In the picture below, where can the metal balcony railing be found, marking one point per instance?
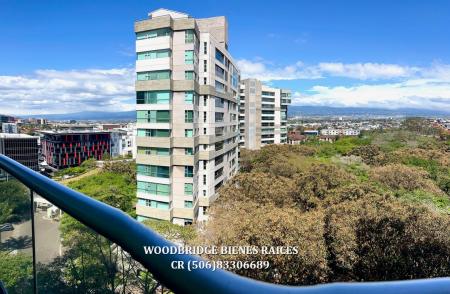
(132, 236)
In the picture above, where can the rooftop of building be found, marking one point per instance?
(72, 132)
(15, 136)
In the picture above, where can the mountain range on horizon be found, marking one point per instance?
(294, 110)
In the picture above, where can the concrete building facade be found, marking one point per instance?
(262, 114)
(10, 128)
(187, 130)
(22, 148)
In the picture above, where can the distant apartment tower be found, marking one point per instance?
(262, 114)
(10, 128)
(22, 148)
(187, 130)
(65, 149)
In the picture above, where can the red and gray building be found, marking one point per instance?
(71, 148)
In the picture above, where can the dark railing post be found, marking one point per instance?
(33, 241)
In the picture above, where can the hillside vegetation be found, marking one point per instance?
(368, 208)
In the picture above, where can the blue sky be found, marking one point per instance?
(334, 53)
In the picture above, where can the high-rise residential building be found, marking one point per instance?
(63, 149)
(187, 130)
(20, 147)
(262, 114)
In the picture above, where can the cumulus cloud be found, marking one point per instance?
(419, 93)
(60, 91)
(377, 84)
(361, 71)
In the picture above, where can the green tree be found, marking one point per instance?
(16, 272)
(14, 201)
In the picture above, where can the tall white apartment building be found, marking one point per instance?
(187, 90)
(262, 114)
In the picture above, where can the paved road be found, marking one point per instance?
(48, 239)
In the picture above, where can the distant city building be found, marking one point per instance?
(107, 127)
(295, 137)
(340, 132)
(187, 135)
(42, 121)
(10, 128)
(262, 114)
(311, 132)
(7, 118)
(22, 148)
(123, 142)
(70, 148)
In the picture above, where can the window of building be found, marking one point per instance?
(153, 75)
(189, 57)
(204, 179)
(220, 72)
(153, 133)
(188, 116)
(205, 47)
(205, 66)
(220, 102)
(153, 116)
(220, 87)
(204, 164)
(154, 54)
(189, 75)
(188, 171)
(205, 81)
(189, 36)
(154, 203)
(204, 116)
(153, 33)
(204, 131)
(188, 133)
(153, 97)
(220, 56)
(153, 170)
(204, 193)
(153, 151)
(189, 97)
(218, 146)
(219, 116)
(205, 100)
(153, 188)
(187, 204)
(188, 189)
(188, 151)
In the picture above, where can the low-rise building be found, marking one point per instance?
(70, 148)
(22, 148)
(340, 132)
(10, 128)
(295, 137)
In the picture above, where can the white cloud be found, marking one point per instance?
(362, 71)
(365, 71)
(264, 71)
(56, 91)
(391, 86)
(425, 94)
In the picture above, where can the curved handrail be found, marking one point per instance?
(131, 235)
